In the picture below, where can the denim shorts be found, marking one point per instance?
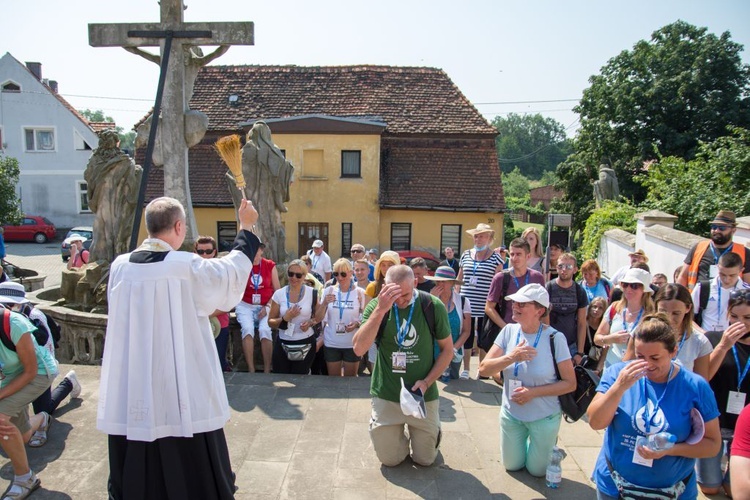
(708, 470)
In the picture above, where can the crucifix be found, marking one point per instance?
(180, 61)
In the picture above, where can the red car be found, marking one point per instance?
(431, 261)
(32, 228)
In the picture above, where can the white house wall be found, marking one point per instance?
(48, 180)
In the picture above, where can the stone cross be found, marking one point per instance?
(182, 70)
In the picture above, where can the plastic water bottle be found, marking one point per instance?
(657, 442)
(554, 470)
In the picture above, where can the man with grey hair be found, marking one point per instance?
(405, 324)
(162, 397)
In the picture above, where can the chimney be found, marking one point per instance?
(53, 86)
(36, 69)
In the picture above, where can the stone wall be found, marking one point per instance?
(665, 246)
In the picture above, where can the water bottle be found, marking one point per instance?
(554, 470)
(657, 442)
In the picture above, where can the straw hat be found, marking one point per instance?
(640, 253)
(481, 228)
(387, 256)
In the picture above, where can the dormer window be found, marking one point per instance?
(11, 87)
(234, 100)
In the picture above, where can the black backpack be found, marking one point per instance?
(39, 332)
(428, 309)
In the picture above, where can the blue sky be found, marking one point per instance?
(495, 51)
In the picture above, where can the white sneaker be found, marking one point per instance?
(76, 392)
(464, 375)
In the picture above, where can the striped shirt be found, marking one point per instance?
(477, 278)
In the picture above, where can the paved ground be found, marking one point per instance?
(306, 437)
(44, 259)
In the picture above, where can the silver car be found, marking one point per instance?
(85, 231)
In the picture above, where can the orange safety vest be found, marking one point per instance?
(700, 250)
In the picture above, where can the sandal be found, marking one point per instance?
(26, 488)
(39, 438)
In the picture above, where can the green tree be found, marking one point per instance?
(10, 207)
(695, 190)
(127, 139)
(532, 143)
(661, 98)
(611, 214)
(515, 185)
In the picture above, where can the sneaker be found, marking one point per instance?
(19, 490)
(76, 392)
(464, 375)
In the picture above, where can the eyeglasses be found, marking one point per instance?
(565, 267)
(716, 227)
(299, 276)
(357, 251)
(342, 274)
(742, 294)
(200, 251)
(634, 286)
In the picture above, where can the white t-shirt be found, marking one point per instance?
(695, 346)
(715, 314)
(294, 332)
(617, 351)
(321, 264)
(338, 314)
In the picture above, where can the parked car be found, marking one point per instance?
(32, 228)
(431, 261)
(85, 231)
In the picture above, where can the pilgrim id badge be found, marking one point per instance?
(398, 360)
(256, 299)
(473, 281)
(340, 328)
(639, 460)
(736, 402)
(513, 384)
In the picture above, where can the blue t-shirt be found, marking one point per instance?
(9, 360)
(683, 393)
(598, 290)
(533, 373)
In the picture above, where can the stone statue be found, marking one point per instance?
(268, 175)
(607, 187)
(112, 179)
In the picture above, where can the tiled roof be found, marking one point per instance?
(99, 126)
(440, 174)
(410, 100)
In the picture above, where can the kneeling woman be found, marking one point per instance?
(530, 414)
(28, 371)
(649, 395)
(293, 310)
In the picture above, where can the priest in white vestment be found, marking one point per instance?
(162, 398)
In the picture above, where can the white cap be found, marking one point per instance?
(74, 237)
(533, 292)
(636, 275)
(317, 244)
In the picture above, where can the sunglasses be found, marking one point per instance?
(565, 267)
(205, 252)
(634, 286)
(299, 276)
(357, 251)
(743, 294)
(716, 227)
(342, 274)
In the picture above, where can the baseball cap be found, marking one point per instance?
(317, 244)
(533, 292)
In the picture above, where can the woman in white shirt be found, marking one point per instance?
(292, 312)
(341, 312)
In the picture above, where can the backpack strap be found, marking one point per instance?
(428, 309)
(607, 288)
(504, 303)
(5, 334)
(612, 314)
(705, 294)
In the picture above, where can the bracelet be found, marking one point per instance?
(283, 325)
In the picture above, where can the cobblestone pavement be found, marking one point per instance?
(44, 259)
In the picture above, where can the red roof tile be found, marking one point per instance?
(409, 100)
